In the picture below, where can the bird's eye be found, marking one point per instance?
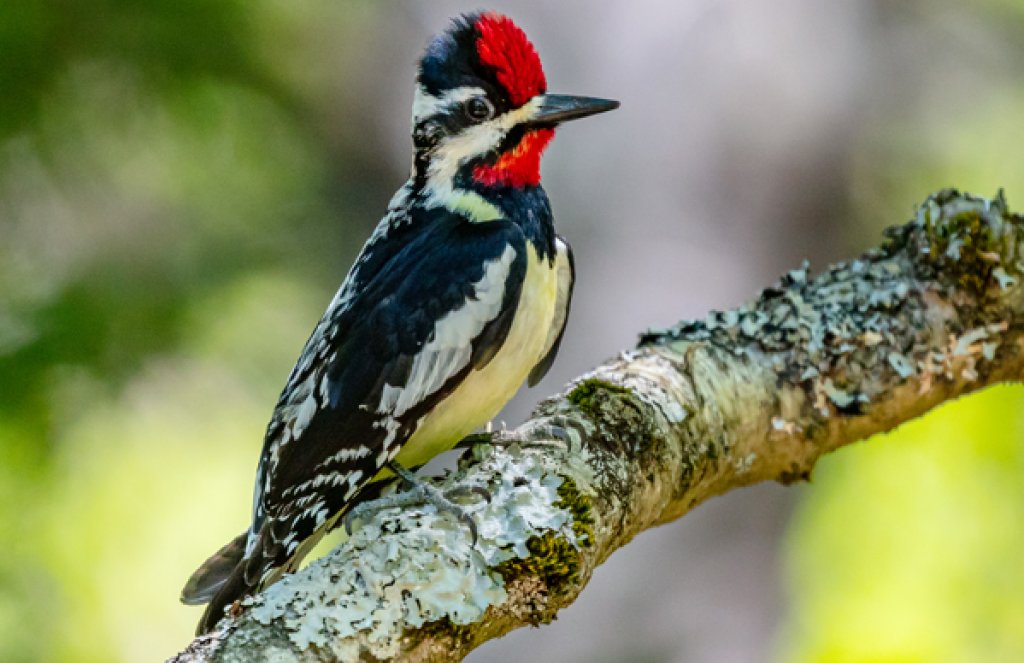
(479, 109)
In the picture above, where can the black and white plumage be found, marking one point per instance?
(459, 296)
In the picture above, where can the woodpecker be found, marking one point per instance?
(460, 295)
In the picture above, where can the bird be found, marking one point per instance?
(460, 295)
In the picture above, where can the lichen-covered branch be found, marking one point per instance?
(755, 393)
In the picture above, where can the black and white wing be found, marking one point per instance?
(437, 310)
(437, 306)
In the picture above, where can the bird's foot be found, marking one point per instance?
(418, 492)
(544, 434)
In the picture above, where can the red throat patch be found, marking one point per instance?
(520, 166)
(504, 46)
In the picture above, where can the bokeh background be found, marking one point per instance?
(183, 184)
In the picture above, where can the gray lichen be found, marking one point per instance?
(401, 571)
(836, 335)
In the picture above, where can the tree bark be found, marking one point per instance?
(752, 394)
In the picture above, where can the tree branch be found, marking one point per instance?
(756, 393)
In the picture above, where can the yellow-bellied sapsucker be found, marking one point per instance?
(460, 295)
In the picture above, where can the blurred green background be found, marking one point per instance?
(183, 185)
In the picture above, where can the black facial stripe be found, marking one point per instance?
(426, 134)
(430, 131)
(512, 138)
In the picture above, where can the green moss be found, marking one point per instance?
(589, 395)
(972, 238)
(577, 504)
(445, 628)
(554, 559)
(624, 422)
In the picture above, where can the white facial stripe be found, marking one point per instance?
(475, 140)
(425, 105)
(455, 151)
(451, 348)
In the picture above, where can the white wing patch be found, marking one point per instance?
(451, 345)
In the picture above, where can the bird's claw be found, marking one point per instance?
(542, 436)
(440, 499)
(476, 439)
(417, 493)
(471, 490)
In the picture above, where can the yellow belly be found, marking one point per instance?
(484, 392)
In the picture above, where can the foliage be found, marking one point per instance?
(908, 548)
(159, 183)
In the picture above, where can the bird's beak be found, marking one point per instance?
(554, 109)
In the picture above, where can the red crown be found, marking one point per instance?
(504, 46)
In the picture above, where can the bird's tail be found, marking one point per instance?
(234, 587)
(230, 575)
(218, 581)
(214, 572)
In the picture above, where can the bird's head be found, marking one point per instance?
(482, 116)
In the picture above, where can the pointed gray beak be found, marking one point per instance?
(557, 108)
